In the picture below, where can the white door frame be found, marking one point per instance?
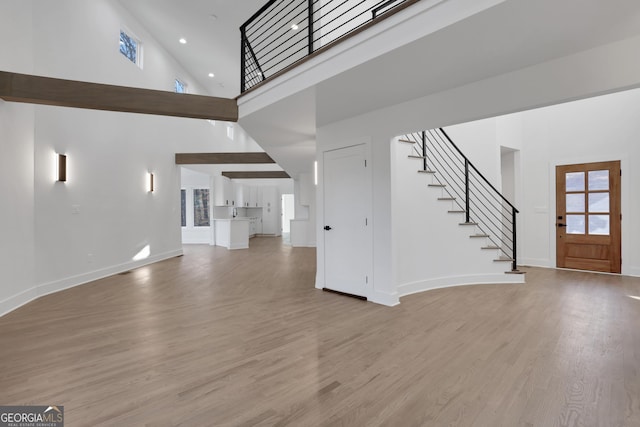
(321, 197)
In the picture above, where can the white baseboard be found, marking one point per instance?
(447, 282)
(238, 246)
(633, 271)
(9, 304)
(16, 301)
(384, 298)
(378, 297)
(536, 262)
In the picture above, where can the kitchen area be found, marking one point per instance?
(223, 212)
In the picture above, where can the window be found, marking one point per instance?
(201, 208)
(180, 86)
(587, 202)
(183, 207)
(131, 48)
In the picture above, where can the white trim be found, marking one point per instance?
(633, 272)
(384, 298)
(535, 262)
(237, 246)
(16, 301)
(451, 281)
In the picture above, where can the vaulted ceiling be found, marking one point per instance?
(505, 38)
(211, 29)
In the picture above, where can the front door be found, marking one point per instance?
(347, 236)
(588, 216)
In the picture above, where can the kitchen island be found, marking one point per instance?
(232, 233)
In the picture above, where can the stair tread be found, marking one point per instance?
(515, 272)
(479, 235)
(424, 171)
(490, 247)
(407, 141)
(503, 260)
(468, 223)
(446, 198)
(436, 185)
(456, 212)
(417, 157)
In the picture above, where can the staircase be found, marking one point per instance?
(486, 215)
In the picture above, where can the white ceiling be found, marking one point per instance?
(213, 44)
(510, 36)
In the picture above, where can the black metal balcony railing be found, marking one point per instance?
(480, 201)
(283, 32)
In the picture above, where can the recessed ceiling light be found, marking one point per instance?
(183, 41)
(211, 75)
(294, 27)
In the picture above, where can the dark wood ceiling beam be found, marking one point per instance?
(222, 158)
(26, 88)
(256, 175)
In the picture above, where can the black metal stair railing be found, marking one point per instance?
(480, 201)
(284, 32)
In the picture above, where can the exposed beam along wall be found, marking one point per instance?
(222, 158)
(256, 175)
(15, 87)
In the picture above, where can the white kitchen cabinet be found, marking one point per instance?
(259, 225)
(232, 233)
(259, 196)
(224, 192)
(252, 201)
(239, 195)
(253, 229)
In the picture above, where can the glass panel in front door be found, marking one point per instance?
(575, 203)
(575, 224)
(599, 225)
(574, 181)
(598, 180)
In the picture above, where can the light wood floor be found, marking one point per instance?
(241, 338)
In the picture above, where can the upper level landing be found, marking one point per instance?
(440, 62)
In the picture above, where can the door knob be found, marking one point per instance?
(326, 227)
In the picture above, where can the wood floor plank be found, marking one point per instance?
(242, 338)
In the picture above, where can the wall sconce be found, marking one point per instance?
(150, 184)
(61, 168)
(315, 173)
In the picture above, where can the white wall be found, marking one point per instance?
(593, 129)
(596, 129)
(17, 225)
(303, 231)
(79, 40)
(431, 249)
(57, 235)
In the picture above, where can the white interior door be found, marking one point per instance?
(347, 236)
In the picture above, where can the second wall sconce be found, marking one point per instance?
(150, 183)
(61, 174)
